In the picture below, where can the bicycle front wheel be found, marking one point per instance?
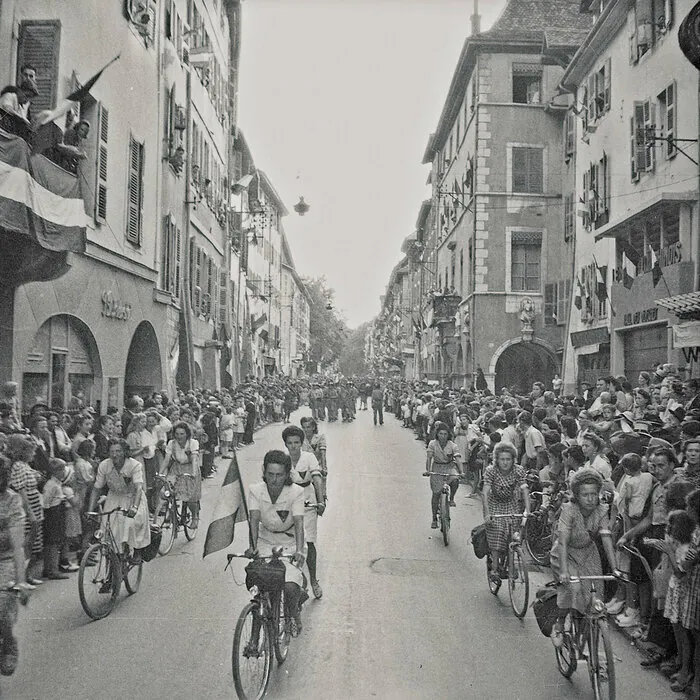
(281, 626)
(538, 538)
(445, 518)
(98, 580)
(494, 583)
(165, 520)
(566, 656)
(251, 658)
(601, 663)
(132, 575)
(518, 584)
(190, 523)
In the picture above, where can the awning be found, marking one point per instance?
(683, 305)
(686, 335)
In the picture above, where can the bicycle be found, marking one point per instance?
(539, 531)
(103, 568)
(444, 505)
(516, 573)
(171, 516)
(589, 632)
(264, 626)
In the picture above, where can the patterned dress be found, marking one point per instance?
(689, 605)
(583, 558)
(505, 498)
(24, 478)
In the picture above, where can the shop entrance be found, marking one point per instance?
(521, 364)
(143, 373)
(644, 349)
(62, 368)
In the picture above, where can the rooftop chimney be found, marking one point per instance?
(476, 19)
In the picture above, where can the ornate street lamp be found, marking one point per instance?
(301, 207)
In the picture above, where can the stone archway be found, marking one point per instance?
(144, 373)
(518, 364)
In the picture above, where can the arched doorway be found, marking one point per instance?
(62, 368)
(520, 364)
(143, 373)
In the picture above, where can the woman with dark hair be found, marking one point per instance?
(505, 493)
(182, 459)
(39, 430)
(442, 458)
(276, 512)
(574, 550)
(306, 472)
(644, 380)
(315, 442)
(593, 446)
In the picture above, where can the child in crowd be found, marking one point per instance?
(54, 518)
(74, 528)
(226, 431)
(84, 480)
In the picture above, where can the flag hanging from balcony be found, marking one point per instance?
(580, 293)
(39, 199)
(630, 259)
(656, 272)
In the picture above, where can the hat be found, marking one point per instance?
(690, 428)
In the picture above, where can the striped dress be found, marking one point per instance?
(24, 479)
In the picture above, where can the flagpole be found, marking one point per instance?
(245, 505)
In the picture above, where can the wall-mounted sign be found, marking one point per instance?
(646, 316)
(113, 308)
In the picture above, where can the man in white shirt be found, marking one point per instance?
(534, 440)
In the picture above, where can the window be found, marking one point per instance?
(170, 257)
(556, 302)
(134, 218)
(527, 83)
(647, 22)
(596, 193)
(667, 119)
(602, 90)
(570, 135)
(526, 251)
(528, 165)
(38, 44)
(569, 216)
(642, 131)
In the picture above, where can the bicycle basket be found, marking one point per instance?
(546, 609)
(480, 542)
(151, 551)
(266, 575)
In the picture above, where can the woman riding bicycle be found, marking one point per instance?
(505, 493)
(276, 511)
(574, 550)
(442, 458)
(182, 457)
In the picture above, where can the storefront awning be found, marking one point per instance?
(682, 305)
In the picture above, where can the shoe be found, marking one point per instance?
(57, 576)
(68, 567)
(615, 606)
(453, 504)
(295, 626)
(9, 656)
(557, 635)
(669, 667)
(31, 586)
(630, 618)
(34, 582)
(681, 684)
(434, 524)
(652, 660)
(316, 588)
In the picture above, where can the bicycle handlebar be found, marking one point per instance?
(602, 577)
(107, 512)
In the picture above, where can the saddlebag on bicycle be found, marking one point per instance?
(186, 488)
(151, 551)
(546, 609)
(480, 542)
(266, 575)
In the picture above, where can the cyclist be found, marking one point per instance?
(442, 458)
(307, 473)
(276, 512)
(574, 550)
(11, 564)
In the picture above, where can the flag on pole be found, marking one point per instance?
(601, 286)
(656, 272)
(231, 508)
(578, 299)
(76, 96)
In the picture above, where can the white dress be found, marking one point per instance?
(306, 468)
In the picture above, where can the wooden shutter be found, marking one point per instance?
(570, 145)
(223, 287)
(100, 212)
(550, 304)
(563, 292)
(634, 170)
(165, 254)
(669, 127)
(607, 79)
(591, 92)
(584, 198)
(632, 34)
(39, 43)
(649, 126)
(639, 137)
(178, 262)
(135, 193)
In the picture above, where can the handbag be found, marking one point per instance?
(266, 575)
(150, 551)
(546, 609)
(480, 542)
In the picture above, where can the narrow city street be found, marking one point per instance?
(402, 615)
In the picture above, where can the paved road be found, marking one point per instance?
(402, 616)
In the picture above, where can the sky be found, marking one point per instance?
(337, 99)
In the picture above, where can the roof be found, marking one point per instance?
(288, 263)
(682, 304)
(537, 15)
(271, 192)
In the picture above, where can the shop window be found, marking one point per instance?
(38, 44)
(527, 83)
(527, 170)
(525, 255)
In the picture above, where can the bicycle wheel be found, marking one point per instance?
(251, 658)
(518, 584)
(98, 581)
(189, 523)
(165, 519)
(132, 575)
(538, 538)
(601, 663)
(445, 518)
(494, 583)
(566, 656)
(281, 626)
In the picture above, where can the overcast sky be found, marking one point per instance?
(337, 100)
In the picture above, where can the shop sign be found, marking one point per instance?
(668, 255)
(114, 308)
(646, 316)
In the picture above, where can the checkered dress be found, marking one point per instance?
(689, 604)
(23, 478)
(505, 498)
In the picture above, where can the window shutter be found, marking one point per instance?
(634, 170)
(165, 255)
(584, 112)
(135, 193)
(670, 125)
(178, 262)
(593, 192)
(586, 177)
(39, 43)
(591, 92)
(640, 139)
(570, 133)
(223, 286)
(668, 5)
(607, 79)
(632, 34)
(650, 126)
(563, 289)
(550, 304)
(101, 166)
